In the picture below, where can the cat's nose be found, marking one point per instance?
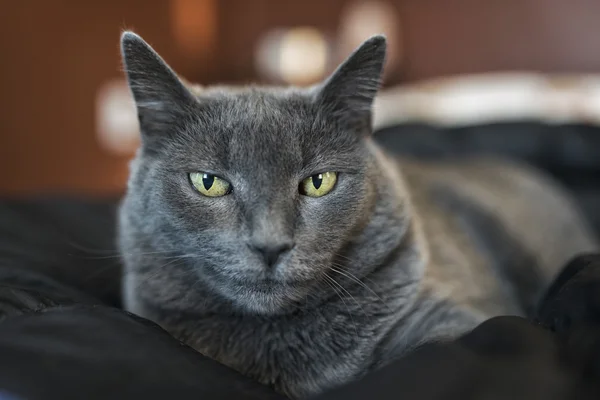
(272, 252)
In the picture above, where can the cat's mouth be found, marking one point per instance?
(268, 285)
(268, 295)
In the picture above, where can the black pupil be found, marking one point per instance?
(317, 180)
(208, 180)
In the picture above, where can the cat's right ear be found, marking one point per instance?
(349, 92)
(161, 98)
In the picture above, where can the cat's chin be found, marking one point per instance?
(268, 298)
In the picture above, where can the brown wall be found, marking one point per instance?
(467, 36)
(55, 55)
(440, 37)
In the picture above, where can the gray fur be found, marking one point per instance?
(397, 254)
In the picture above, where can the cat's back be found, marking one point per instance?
(497, 231)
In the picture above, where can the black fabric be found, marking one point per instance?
(71, 240)
(95, 352)
(23, 291)
(571, 309)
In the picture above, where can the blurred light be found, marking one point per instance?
(116, 118)
(303, 55)
(194, 24)
(298, 56)
(589, 99)
(363, 19)
(492, 97)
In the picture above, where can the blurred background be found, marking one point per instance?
(66, 120)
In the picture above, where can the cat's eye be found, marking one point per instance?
(318, 185)
(210, 185)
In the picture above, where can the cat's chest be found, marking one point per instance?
(298, 357)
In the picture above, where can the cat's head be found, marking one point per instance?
(253, 192)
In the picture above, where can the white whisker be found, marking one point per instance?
(329, 280)
(350, 295)
(349, 275)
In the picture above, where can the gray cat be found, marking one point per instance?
(266, 229)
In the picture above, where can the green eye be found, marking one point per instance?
(210, 185)
(318, 185)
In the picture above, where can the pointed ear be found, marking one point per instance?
(161, 99)
(349, 92)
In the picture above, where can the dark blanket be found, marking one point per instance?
(70, 240)
(59, 277)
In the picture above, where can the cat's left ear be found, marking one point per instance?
(161, 98)
(349, 92)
